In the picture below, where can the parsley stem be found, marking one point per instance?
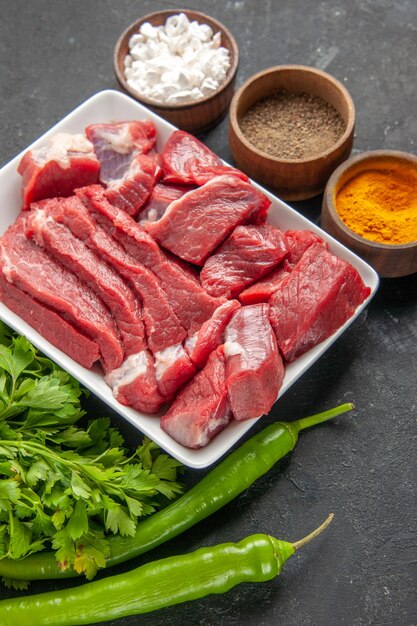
(11, 527)
(47, 454)
(108, 486)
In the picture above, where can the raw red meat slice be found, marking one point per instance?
(65, 163)
(254, 368)
(155, 156)
(298, 242)
(197, 223)
(200, 410)
(50, 325)
(161, 197)
(173, 369)
(134, 383)
(191, 303)
(116, 144)
(130, 192)
(71, 252)
(185, 160)
(314, 300)
(248, 254)
(210, 335)
(32, 270)
(263, 289)
(162, 326)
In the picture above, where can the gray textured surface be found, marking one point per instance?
(53, 55)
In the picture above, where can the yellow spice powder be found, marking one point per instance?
(381, 205)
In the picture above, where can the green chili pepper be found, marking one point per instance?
(157, 584)
(221, 485)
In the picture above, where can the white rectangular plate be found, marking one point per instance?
(110, 106)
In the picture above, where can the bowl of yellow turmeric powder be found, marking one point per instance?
(370, 205)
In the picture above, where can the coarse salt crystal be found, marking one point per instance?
(205, 32)
(179, 61)
(208, 86)
(148, 31)
(216, 41)
(178, 96)
(177, 24)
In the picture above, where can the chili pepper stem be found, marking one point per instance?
(318, 418)
(302, 542)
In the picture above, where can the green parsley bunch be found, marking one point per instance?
(62, 485)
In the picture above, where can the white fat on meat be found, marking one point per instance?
(164, 359)
(221, 417)
(7, 266)
(135, 365)
(233, 347)
(38, 222)
(190, 343)
(120, 141)
(152, 216)
(61, 147)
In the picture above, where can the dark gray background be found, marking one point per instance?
(53, 55)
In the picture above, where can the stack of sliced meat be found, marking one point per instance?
(162, 267)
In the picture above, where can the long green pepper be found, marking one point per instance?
(221, 485)
(157, 584)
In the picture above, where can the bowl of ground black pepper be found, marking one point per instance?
(290, 127)
(370, 205)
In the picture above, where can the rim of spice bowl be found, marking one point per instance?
(292, 179)
(389, 260)
(194, 116)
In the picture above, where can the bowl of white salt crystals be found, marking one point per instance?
(181, 64)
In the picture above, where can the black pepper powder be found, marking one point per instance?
(292, 126)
